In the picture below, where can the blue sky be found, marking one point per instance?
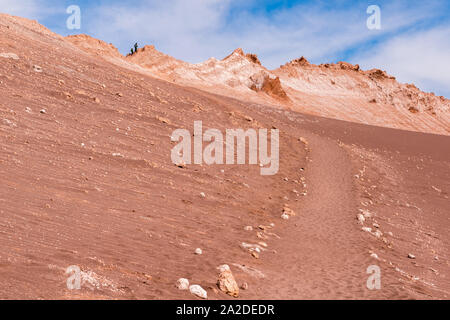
(413, 42)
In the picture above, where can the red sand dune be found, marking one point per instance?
(87, 178)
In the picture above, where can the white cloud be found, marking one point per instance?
(181, 28)
(421, 58)
(194, 30)
(198, 29)
(25, 8)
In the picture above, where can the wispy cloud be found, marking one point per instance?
(194, 30)
(421, 57)
(278, 31)
(189, 30)
(31, 9)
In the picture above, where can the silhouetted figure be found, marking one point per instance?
(135, 47)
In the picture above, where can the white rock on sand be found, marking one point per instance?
(223, 268)
(9, 55)
(182, 284)
(37, 68)
(198, 251)
(198, 291)
(361, 218)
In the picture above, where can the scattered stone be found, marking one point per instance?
(37, 68)
(9, 123)
(378, 233)
(248, 228)
(367, 229)
(202, 194)
(198, 251)
(198, 291)
(374, 255)
(360, 218)
(255, 255)
(413, 109)
(96, 100)
(284, 216)
(376, 225)
(119, 94)
(261, 235)
(436, 189)
(262, 244)
(227, 283)
(303, 140)
(68, 95)
(244, 286)
(163, 120)
(223, 268)
(43, 111)
(366, 213)
(181, 165)
(288, 211)
(9, 55)
(117, 154)
(411, 256)
(182, 284)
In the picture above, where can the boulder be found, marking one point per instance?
(198, 291)
(227, 283)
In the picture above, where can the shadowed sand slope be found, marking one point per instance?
(87, 180)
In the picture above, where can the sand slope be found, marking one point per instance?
(87, 180)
